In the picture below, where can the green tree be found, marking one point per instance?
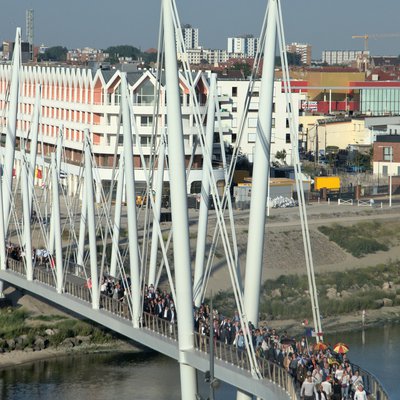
(122, 51)
(244, 67)
(56, 53)
(281, 155)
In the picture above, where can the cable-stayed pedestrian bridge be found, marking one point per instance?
(231, 366)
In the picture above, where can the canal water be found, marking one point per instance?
(155, 377)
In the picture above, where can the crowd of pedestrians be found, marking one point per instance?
(320, 374)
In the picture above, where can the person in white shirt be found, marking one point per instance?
(308, 391)
(360, 393)
(327, 387)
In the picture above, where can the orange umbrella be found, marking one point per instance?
(320, 346)
(341, 348)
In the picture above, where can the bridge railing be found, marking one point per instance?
(233, 355)
(372, 384)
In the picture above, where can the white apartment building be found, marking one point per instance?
(78, 99)
(338, 57)
(302, 49)
(199, 55)
(232, 95)
(246, 45)
(190, 37)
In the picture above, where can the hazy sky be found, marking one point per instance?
(325, 24)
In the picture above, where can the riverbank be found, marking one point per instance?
(343, 323)
(20, 357)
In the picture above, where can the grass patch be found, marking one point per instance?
(359, 240)
(47, 318)
(288, 297)
(12, 322)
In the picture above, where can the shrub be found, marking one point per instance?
(356, 239)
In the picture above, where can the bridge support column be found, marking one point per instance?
(11, 131)
(94, 276)
(57, 224)
(134, 260)
(82, 229)
(204, 197)
(180, 220)
(261, 172)
(33, 146)
(156, 214)
(117, 218)
(25, 176)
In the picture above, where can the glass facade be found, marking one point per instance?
(382, 101)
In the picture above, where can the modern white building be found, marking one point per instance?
(199, 55)
(232, 95)
(190, 37)
(246, 45)
(302, 49)
(77, 99)
(338, 57)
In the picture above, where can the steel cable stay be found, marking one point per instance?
(298, 176)
(220, 219)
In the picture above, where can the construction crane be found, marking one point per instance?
(374, 36)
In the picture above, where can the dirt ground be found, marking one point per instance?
(283, 247)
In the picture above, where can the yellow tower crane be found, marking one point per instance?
(374, 36)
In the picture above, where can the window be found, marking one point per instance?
(273, 107)
(273, 122)
(398, 171)
(251, 137)
(145, 93)
(288, 138)
(287, 122)
(252, 122)
(253, 106)
(234, 91)
(146, 120)
(234, 107)
(385, 170)
(387, 154)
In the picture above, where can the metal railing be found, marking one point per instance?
(224, 352)
(371, 384)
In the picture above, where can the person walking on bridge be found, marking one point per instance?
(308, 391)
(360, 393)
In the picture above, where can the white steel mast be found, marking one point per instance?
(91, 218)
(205, 196)
(11, 132)
(261, 170)
(134, 259)
(180, 219)
(117, 217)
(157, 213)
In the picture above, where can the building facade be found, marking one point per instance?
(246, 45)
(74, 99)
(233, 93)
(339, 57)
(386, 159)
(302, 49)
(190, 37)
